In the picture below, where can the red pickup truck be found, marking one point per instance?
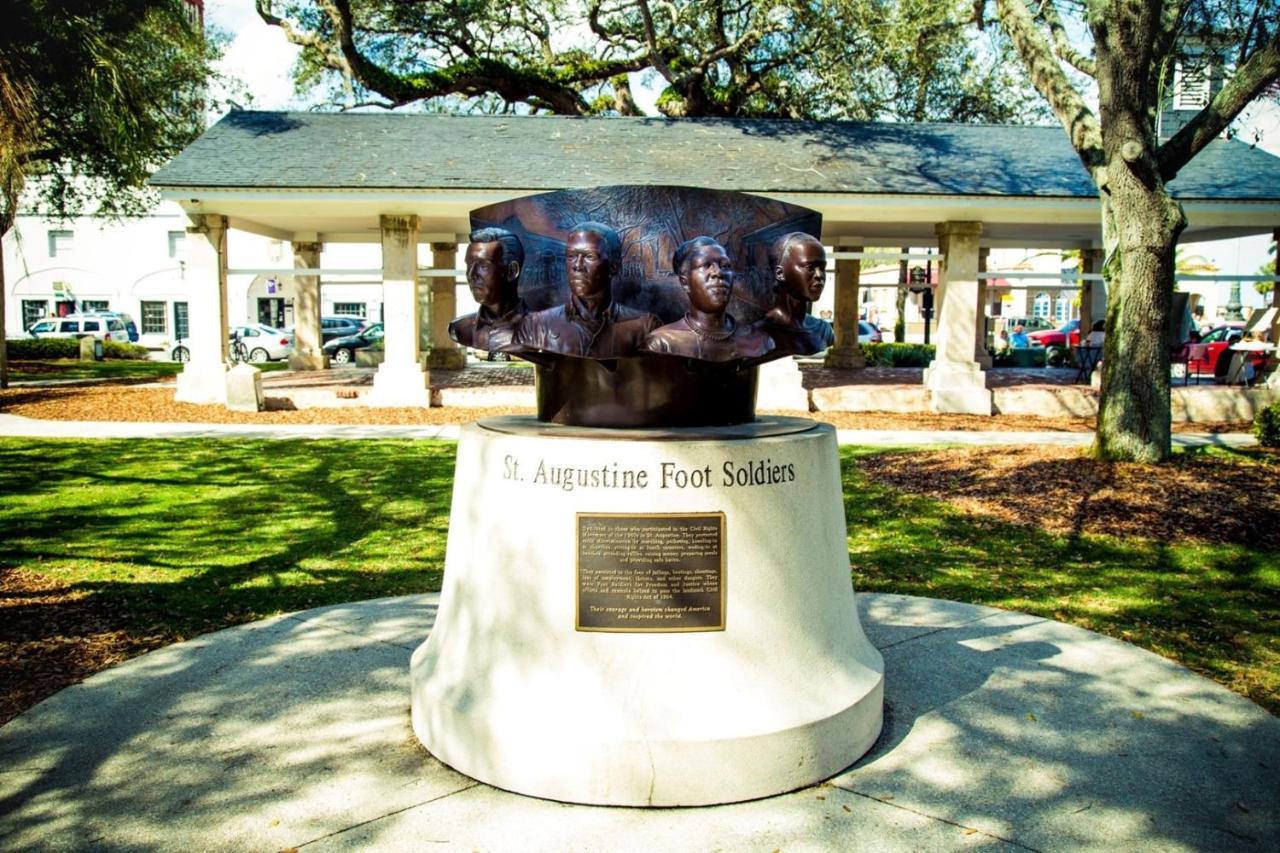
(1068, 334)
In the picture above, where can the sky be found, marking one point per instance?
(261, 58)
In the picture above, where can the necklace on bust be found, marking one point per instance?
(706, 334)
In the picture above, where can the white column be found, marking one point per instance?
(442, 351)
(980, 354)
(956, 381)
(1093, 294)
(204, 379)
(401, 379)
(307, 340)
(846, 352)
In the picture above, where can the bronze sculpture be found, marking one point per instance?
(589, 323)
(799, 265)
(494, 262)
(707, 331)
(594, 301)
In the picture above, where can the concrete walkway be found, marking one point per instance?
(1003, 731)
(17, 426)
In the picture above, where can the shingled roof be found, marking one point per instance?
(327, 151)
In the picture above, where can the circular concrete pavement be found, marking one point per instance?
(1001, 730)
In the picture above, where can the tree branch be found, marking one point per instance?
(1051, 81)
(651, 39)
(1062, 46)
(1256, 74)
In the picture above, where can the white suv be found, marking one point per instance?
(107, 327)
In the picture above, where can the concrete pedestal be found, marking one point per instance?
(202, 383)
(957, 388)
(781, 386)
(244, 389)
(778, 690)
(400, 384)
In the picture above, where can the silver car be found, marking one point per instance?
(263, 343)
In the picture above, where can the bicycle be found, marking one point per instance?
(237, 352)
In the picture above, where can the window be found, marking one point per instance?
(355, 309)
(1042, 305)
(176, 241)
(89, 305)
(1061, 308)
(153, 318)
(33, 310)
(91, 326)
(69, 326)
(181, 329)
(60, 243)
(1191, 85)
(44, 328)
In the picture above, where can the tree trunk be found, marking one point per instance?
(1134, 411)
(900, 324)
(4, 337)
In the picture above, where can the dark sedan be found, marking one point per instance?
(343, 350)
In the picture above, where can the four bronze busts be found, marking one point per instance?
(707, 331)
(494, 260)
(799, 265)
(603, 363)
(590, 323)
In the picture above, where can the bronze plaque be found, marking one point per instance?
(650, 573)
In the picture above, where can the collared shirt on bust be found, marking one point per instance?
(485, 330)
(682, 339)
(619, 331)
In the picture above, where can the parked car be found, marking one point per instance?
(129, 326)
(336, 326)
(868, 334)
(1068, 334)
(107, 327)
(263, 343)
(1218, 341)
(343, 350)
(1028, 324)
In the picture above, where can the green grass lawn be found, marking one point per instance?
(70, 368)
(180, 537)
(1211, 607)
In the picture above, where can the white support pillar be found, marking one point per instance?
(401, 379)
(204, 379)
(980, 353)
(847, 353)
(307, 340)
(957, 383)
(442, 351)
(1093, 294)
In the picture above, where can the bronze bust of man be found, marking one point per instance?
(494, 260)
(589, 324)
(799, 265)
(707, 331)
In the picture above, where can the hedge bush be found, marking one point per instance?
(42, 349)
(898, 355)
(1266, 426)
(119, 349)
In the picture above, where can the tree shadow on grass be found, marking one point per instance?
(161, 541)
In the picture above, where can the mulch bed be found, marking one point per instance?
(155, 404)
(1064, 492)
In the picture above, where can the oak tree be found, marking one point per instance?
(862, 59)
(94, 95)
(1129, 51)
